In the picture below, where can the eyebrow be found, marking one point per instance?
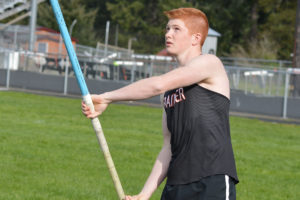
(174, 25)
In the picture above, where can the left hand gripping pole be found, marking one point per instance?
(86, 97)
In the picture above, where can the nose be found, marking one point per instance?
(168, 34)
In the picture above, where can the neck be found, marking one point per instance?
(186, 56)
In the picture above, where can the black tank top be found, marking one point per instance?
(198, 120)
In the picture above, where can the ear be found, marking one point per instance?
(196, 39)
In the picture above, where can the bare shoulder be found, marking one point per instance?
(207, 60)
(216, 78)
(206, 70)
(208, 64)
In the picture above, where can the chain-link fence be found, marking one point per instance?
(270, 84)
(251, 77)
(119, 67)
(275, 85)
(100, 62)
(256, 63)
(115, 66)
(257, 81)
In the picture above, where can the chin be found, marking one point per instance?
(170, 52)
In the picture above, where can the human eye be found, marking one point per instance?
(176, 28)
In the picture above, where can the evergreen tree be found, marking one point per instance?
(143, 20)
(279, 24)
(231, 18)
(251, 26)
(71, 9)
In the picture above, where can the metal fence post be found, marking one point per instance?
(151, 68)
(118, 71)
(66, 75)
(270, 84)
(106, 38)
(133, 73)
(286, 89)
(279, 77)
(246, 84)
(15, 37)
(114, 74)
(237, 79)
(7, 64)
(264, 80)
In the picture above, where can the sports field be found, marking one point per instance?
(48, 150)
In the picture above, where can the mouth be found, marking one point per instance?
(168, 44)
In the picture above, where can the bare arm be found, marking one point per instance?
(160, 168)
(207, 70)
(201, 69)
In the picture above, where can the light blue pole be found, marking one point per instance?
(86, 97)
(71, 52)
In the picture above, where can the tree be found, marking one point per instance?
(71, 9)
(296, 78)
(102, 16)
(229, 17)
(252, 24)
(277, 21)
(296, 59)
(143, 20)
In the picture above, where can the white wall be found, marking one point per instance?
(210, 45)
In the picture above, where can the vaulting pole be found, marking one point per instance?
(86, 97)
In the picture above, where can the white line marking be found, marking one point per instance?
(227, 187)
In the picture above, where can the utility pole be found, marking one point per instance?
(106, 38)
(296, 57)
(297, 38)
(32, 24)
(117, 35)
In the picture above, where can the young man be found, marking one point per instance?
(197, 156)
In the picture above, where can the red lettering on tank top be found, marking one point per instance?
(174, 98)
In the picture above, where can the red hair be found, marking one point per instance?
(195, 20)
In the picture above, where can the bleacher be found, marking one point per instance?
(11, 7)
(9, 4)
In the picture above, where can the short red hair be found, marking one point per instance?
(195, 20)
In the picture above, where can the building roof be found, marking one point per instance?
(23, 29)
(212, 32)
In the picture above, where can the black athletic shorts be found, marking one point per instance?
(217, 187)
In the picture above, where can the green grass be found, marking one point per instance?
(48, 150)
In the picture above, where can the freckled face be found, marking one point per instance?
(177, 37)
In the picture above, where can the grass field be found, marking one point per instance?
(48, 150)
